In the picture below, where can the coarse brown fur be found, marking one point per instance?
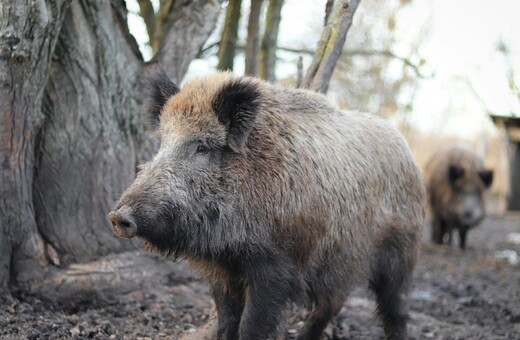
(276, 197)
(456, 181)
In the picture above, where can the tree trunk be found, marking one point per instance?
(28, 35)
(87, 147)
(269, 41)
(253, 41)
(331, 43)
(228, 42)
(183, 28)
(147, 13)
(70, 130)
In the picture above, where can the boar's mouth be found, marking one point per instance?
(123, 222)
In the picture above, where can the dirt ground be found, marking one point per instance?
(472, 294)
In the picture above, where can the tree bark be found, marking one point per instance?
(269, 41)
(228, 42)
(328, 9)
(70, 130)
(253, 41)
(180, 27)
(330, 45)
(87, 150)
(28, 35)
(147, 13)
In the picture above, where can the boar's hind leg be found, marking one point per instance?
(321, 313)
(272, 286)
(230, 304)
(390, 278)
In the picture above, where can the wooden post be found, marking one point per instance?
(513, 197)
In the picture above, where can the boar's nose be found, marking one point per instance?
(123, 222)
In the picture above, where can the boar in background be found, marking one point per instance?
(456, 180)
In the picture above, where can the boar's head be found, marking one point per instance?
(466, 205)
(181, 198)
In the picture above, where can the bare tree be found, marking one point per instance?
(269, 41)
(370, 75)
(228, 42)
(70, 130)
(180, 26)
(333, 37)
(253, 40)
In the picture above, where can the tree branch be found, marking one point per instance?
(148, 15)
(160, 21)
(328, 8)
(390, 54)
(209, 50)
(330, 45)
(182, 27)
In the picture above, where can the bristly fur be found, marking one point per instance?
(159, 89)
(236, 106)
(278, 198)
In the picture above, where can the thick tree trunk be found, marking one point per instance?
(228, 42)
(269, 41)
(331, 43)
(28, 34)
(70, 130)
(253, 40)
(87, 150)
(180, 27)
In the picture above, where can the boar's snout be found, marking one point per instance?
(123, 222)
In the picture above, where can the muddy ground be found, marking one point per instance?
(472, 294)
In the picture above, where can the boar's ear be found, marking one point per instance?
(454, 173)
(236, 106)
(159, 89)
(487, 177)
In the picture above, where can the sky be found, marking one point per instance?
(460, 49)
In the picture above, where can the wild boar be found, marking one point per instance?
(456, 181)
(278, 199)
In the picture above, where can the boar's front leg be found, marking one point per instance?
(272, 286)
(462, 235)
(229, 300)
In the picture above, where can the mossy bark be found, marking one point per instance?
(330, 45)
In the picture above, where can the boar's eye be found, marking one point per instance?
(202, 149)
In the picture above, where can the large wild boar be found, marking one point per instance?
(277, 198)
(456, 181)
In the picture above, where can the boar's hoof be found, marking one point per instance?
(123, 223)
